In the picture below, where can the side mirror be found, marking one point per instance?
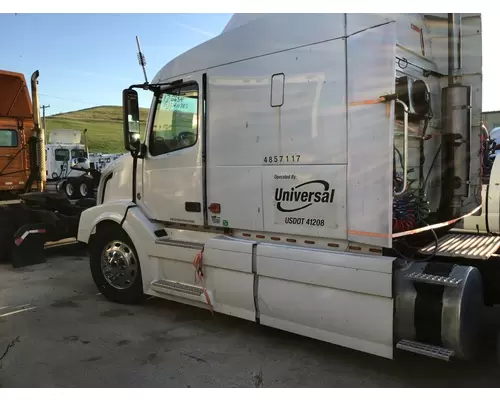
(131, 128)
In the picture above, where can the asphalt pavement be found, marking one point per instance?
(56, 330)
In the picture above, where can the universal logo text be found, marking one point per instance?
(302, 194)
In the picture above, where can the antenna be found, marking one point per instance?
(142, 59)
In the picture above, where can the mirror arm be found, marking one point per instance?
(156, 87)
(142, 153)
(140, 86)
(147, 86)
(134, 176)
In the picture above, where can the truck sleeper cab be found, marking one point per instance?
(16, 125)
(273, 169)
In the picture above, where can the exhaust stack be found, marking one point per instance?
(85, 142)
(456, 125)
(37, 164)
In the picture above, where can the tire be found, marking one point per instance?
(70, 191)
(118, 290)
(60, 187)
(83, 189)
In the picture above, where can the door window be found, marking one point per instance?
(175, 123)
(8, 138)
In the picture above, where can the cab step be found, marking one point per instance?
(433, 279)
(179, 289)
(425, 349)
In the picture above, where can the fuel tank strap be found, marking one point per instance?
(429, 305)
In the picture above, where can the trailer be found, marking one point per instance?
(310, 180)
(100, 161)
(29, 215)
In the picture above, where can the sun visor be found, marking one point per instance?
(15, 99)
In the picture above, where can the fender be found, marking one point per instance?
(133, 221)
(113, 211)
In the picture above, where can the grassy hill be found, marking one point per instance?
(104, 126)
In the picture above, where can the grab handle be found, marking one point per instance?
(405, 149)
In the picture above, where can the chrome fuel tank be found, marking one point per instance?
(439, 304)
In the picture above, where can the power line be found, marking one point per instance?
(66, 99)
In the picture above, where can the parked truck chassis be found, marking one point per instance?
(27, 210)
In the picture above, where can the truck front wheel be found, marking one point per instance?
(115, 266)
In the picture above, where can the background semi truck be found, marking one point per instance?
(310, 180)
(71, 169)
(64, 152)
(20, 157)
(27, 210)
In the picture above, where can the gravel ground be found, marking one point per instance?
(65, 334)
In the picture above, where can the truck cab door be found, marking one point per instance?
(12, 158)
(172, 175)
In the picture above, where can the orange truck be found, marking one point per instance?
(21, 167)
(29, 215)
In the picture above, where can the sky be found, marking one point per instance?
(87, 60)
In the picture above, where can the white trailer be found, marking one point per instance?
(99, 161)
(305, 172)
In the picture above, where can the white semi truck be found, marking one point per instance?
(63, 151)
(307, 172)
(69, 164)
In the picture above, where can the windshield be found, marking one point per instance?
(78, 153)
(495, 134)
(61, 154)
(8, 138)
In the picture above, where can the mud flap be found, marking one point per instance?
(29, 245)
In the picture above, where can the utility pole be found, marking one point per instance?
(43, 116)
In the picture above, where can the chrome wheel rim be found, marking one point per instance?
(119, 265)
(69, 189)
